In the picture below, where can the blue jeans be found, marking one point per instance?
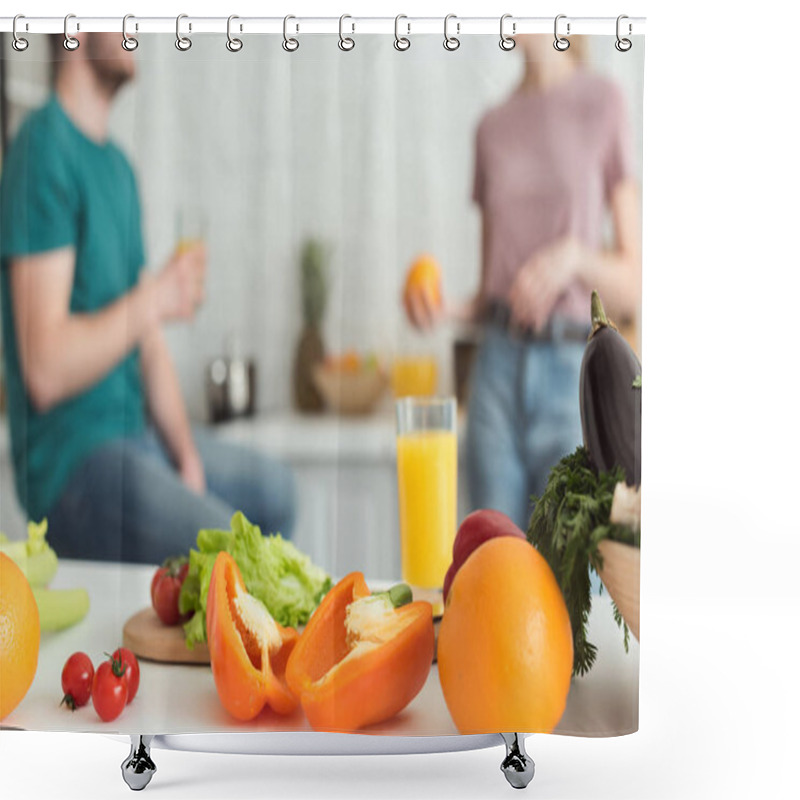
(126, 502)
(523, 418)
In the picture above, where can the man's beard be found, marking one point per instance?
(109, 78)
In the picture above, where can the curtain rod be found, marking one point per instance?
(299, 25)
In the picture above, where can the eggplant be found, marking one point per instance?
(611, 399)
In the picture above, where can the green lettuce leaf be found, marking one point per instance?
(273, 570)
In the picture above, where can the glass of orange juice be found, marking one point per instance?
(414, 375)
(426, 482)
(191, 228)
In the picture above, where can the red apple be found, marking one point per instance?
(477, 528)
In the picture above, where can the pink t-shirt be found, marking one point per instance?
(545, 167)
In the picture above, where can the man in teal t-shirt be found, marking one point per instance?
(87, 366)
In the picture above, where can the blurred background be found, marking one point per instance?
(343, 168)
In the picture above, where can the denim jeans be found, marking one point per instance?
(126, 501)
(523, 417)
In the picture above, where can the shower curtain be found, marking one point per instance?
(321, 386)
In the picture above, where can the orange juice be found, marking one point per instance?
(426, 477)
(186, 244)
(414, 376)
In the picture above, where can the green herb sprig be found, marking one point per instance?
(568, 523)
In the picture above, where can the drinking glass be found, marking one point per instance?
(191, 228)
(414, 375)
(426, 481)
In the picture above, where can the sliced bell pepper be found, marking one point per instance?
(248, 649)
(362, 658)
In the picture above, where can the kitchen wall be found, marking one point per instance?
(370, 150)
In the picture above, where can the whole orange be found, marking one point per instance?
(505, 642)
(19, 636)
(425, 275)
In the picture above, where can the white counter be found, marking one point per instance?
(182, 699)
(316, 438)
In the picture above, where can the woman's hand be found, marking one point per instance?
(542, 280)
(421, 309)
(192, 472)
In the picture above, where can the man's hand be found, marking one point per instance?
(192, 472)
(181, 284)
(541, 281)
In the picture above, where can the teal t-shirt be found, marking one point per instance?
(58, 189)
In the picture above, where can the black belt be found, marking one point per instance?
(558, 329)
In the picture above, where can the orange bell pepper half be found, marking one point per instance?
(362, 658)
(249, 650)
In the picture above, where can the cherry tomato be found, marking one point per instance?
(132, 673)
(110, 689)
(165, 589)
(76, 680)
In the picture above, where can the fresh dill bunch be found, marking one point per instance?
(569, 521)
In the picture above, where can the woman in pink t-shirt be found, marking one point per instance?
(551, 162)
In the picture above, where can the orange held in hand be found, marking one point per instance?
(248, 649)
(19, 636)
(362, 657)
(425, 276)
(505, 642)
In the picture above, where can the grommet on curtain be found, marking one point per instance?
(183, 43)
(129, 43)
(401, 43)
(290, 44)
(561, 43)
(18, 43)
(70, 42)
(506, 42)
(346, 43)
(623, 45)
(233, 44)
(451, 43)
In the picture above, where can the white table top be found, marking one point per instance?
(319, 438)
(175, 699)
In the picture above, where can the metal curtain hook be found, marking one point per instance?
(451, 43)
(290, 44)
(129, 43)
(560, 43)
(183, 43)
(401, 43)
(506, 42)
(70, 42)
(233, 44)
(346, 43)
(18, 43)
(623, 45)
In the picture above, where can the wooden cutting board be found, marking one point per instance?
(149, 638)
